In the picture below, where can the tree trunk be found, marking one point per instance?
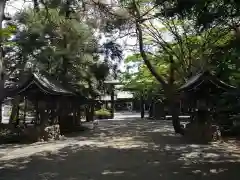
(175, 113)
(65, 43)
(2, 7)
(36, 5)
(141, 47)
(172, 99)
(168, 89)
(2, 94)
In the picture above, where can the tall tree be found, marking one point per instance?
(56, 39)
(2, 15)
(174, 39)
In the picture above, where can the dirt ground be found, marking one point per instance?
(121, 149)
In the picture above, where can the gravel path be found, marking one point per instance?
(121, 149)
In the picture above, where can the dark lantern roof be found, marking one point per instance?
(202, 78)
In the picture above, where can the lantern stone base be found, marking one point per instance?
(49, 133)
(52, 133)
(202, 132)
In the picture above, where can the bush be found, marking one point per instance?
(102, 113)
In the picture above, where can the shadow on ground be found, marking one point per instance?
(125, 150)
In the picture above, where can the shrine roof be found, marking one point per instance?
(203, 78)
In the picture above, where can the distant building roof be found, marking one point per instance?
(118, 95)
(124, 95)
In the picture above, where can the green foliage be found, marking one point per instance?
(59, 38)
(133, 58)
(8, 31)
(175, 35)
(206, 13)
(192, 54)
(102, 112)
(217, 22)
(139, 78)
(65, 48)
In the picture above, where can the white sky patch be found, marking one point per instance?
(15, 6)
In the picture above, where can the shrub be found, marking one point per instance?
(102, 113)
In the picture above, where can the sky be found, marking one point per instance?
(14, 6)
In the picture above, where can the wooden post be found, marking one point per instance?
(90, 112)
(25, 109)
(112, 102)
(86, 112)
(18, 111)
(78, 116)
(151, 108)
(37, 113)
(15, 104)
(75, 113)
(142, 106)
(92, 108)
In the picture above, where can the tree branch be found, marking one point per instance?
(142, 51)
